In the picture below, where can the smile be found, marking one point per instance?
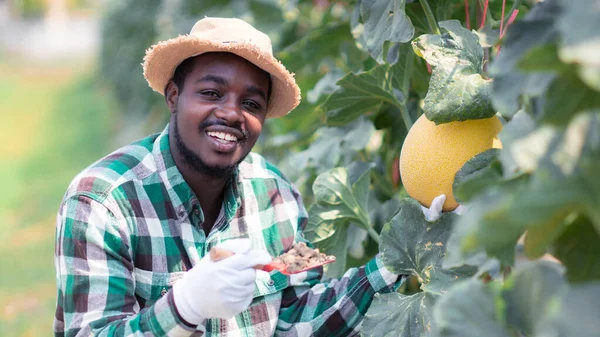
(222, 136)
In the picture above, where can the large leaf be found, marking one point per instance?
(316, 45)
(485, 227)
(384, 20)
(580, 30)
(578, 249)
(341, 193)
(325, 86)
(410, 245)
(563, 180)
(468, 310)
(394, 314)
(538, 239)
(477, 173)
(457, 91)
(341, 198)
(529, 293)
(519, 126)
(360, 94)
(531, 47)
(576, 314)
(331, 144)
(534, 301)
(336, 245)
(567, 96)
(510, 83)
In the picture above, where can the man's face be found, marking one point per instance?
(219, 114)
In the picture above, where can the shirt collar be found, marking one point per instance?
(183, 198)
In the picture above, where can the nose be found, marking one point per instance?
(230, 112)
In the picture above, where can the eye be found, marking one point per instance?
(210, 93)
(252, 105)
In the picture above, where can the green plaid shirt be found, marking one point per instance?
(129, 226)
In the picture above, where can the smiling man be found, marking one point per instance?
(134, 229)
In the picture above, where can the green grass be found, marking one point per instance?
(55, 123)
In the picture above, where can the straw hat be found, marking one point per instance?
(224, 35)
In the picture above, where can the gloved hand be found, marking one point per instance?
(219, 289)
(434, 212)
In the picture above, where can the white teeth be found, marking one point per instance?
(223, 136)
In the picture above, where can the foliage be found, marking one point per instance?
(362, 89)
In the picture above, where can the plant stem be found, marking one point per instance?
(467, 18)
(433, 26)
(488, 14)
(484, 15)
(405, 116)
(514, 7)
(502, 17)
(408, 65)
(490, 19)
(406, 90)
(374, 235)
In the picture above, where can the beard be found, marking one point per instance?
(194, 161)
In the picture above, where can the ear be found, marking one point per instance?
(171, 96)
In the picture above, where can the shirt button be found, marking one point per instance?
(197, 211)
(271, 282)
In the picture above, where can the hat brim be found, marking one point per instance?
(162, 59)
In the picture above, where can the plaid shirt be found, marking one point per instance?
(129, 226)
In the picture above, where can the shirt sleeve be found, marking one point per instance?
(94, 275)
(337, 307)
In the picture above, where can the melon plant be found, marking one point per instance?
(369, 70)
(486, 272)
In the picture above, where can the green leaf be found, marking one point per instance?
(341, 198)
(537, 29)
(563, 180)
(341, 193)
(322, 224)
(478, 172)
(384, 20)
(566, 97)
(534, 301)
(529, 293)
(458, 90)
(360, 94)
(412, 245)
(580, 31)
(468, 310)
(576, 314)
(356, 241)
(486, 227)
(384, 212)
(316, 45)
(442, 10)
(336, 245)
(578, 249)
(542, 58)
(326, 86)
(519, 126)
(329, 146)
(538, 239)
(399, 315)
(488, 37)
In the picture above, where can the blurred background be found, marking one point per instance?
(56, 119)
(72, 90)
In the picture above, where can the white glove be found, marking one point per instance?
(434, 211)
(219, 289)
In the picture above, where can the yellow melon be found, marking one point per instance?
(432, 154)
